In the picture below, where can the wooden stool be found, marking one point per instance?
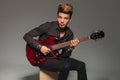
(47, 75)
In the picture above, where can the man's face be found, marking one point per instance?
(63, 19)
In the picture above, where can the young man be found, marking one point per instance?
(59, 29)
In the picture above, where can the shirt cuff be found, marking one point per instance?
(70, 48)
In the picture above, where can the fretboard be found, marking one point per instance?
(65, 44)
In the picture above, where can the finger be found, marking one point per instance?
(71, 43)
(76, 41)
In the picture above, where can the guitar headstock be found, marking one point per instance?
(97, 35)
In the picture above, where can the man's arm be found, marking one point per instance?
(28, 37)
(66, 52)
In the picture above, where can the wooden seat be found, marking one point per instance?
(47, 75)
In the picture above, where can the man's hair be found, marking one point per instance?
(65, 8)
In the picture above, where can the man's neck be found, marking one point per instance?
(62, 34)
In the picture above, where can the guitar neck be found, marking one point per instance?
(65, 44)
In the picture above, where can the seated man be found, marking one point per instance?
(62, 63)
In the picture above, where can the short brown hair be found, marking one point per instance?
(65, 8)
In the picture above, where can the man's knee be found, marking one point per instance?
(82, 65)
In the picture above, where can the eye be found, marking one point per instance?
(66, 18)
(59, 17)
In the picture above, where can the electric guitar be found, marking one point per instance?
(37, 58)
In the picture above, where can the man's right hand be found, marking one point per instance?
(45, 50)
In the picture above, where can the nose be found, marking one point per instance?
(62, 20)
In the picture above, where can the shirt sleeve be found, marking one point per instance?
(29, 36)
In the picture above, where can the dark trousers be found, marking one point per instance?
(64, 65)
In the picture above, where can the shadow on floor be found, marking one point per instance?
(31, 77)
(101, 78)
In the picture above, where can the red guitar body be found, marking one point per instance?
(35, 57)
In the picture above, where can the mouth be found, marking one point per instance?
(62, 25)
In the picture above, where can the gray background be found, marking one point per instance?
(101, 57)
